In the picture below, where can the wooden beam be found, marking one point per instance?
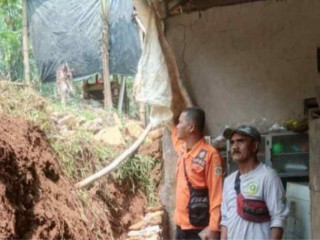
(196, 5)
(177, 8)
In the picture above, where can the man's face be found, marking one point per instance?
(184, 126)
(243, 148)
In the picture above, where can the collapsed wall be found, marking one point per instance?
(36, 201)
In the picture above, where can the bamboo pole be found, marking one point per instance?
(105, 54)
(117, 161)
(25, 43)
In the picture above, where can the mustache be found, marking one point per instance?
(235, 151)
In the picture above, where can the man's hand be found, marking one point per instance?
(276, 233)
(224, 233)
(207, 234)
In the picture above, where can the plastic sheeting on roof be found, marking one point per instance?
(70, 31)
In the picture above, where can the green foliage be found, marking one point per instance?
(49, 90)
(11, 64)
(74, 154)
(23, 102)
(11, 55)
(137, 173)
(105, 153)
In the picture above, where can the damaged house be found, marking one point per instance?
(251, 62)
(255, 62)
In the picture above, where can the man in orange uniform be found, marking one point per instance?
(199, 166)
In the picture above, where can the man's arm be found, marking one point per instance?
(210, 235)
(175, 141)
(276, 233)
(224, 233)
(214, 181)
(224, 210)
(276, 202)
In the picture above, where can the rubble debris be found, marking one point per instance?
(110, 135)
(134, 129)
(155, 134)
(150, 227)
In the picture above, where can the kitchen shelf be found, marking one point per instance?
(295, 174)
(289, 154)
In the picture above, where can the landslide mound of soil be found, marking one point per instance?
(36, 202)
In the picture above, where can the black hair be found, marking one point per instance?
(197, 116)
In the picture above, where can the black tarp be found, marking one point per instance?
(70, 31)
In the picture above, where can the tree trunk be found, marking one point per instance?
(25, 43)
(105, 55)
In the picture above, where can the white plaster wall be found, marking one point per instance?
(249, 61)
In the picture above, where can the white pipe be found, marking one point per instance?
(117, 161)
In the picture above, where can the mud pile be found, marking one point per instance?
(36, 201)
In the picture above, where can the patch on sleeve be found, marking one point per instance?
(218, 171)
(200, 158)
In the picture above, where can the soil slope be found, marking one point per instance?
(36, 201)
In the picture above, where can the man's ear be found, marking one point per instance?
(255, 146)
(192, 127)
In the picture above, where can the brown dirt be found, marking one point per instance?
(36, 201)
(125, 207)
(152, 149)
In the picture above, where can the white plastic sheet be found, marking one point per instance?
(152, 83)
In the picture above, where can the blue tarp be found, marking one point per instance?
(70, 31)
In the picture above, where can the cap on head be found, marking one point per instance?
(245, 130)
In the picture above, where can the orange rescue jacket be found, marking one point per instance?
(204, 169)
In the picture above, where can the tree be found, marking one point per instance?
(11, 65)
(105, 53)
(11, 55)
